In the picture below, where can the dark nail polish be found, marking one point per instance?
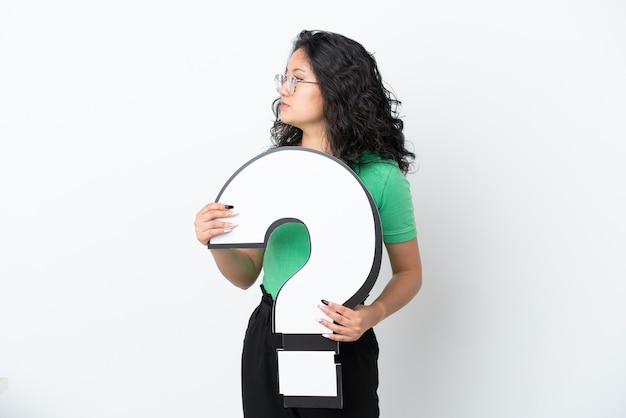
(228, 206)
(324, 301)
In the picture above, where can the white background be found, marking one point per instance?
(120, 119)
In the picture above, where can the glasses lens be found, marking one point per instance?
(279, 79)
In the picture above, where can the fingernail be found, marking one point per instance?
(320, 320)
(325, 336)
(228, 206)
(230, 227)
(233, 212)
(324, 301)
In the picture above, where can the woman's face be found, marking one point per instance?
(304, 108)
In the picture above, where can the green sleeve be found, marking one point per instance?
(392, 193)
(396, 209)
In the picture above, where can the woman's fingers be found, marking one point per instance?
(213, 229)
(346, 323)
(209, 221)
(216, 210)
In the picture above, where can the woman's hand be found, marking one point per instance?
(348, 324)
(241, 266)
(206, 223)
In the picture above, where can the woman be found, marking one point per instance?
(332, 99)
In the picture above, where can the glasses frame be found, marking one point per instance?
(290, 81)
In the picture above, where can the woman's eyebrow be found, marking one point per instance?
(302, 70)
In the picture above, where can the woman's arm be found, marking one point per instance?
(405, 282)
(240, 266)
(406, 267)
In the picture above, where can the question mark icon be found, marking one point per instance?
(345, 234)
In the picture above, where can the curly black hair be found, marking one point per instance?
(361, 114)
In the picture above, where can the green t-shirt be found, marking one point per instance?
(288, 247)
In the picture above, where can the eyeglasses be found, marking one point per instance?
(290, 82)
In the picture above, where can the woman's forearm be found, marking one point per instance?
(405, 282)
(399, 291)
(240, 266)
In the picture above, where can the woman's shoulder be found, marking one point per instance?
(379, 175)
(372, 163)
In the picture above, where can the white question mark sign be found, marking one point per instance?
(294, 184)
